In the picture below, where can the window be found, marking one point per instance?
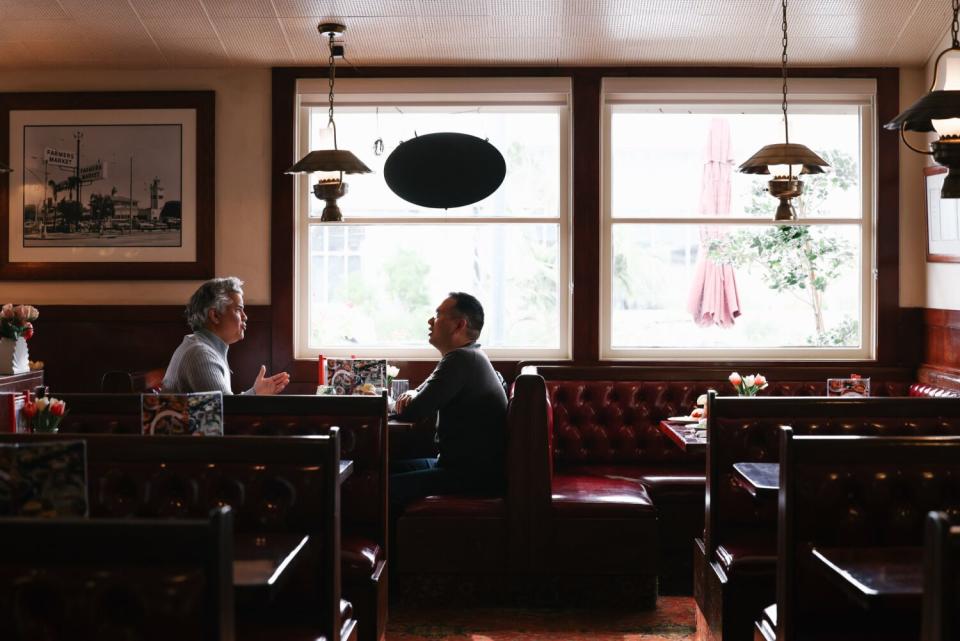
(366, 286)
(694, 267)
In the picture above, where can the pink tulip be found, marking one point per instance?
(735, 379)
(760, 381)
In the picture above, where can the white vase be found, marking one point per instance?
(13, 356)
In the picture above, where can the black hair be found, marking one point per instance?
(471, 309)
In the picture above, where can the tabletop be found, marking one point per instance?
(876, 577)
(761, 480)
(261, 563)
(685, 437)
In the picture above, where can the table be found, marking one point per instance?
(262, 562)
(876, 578)
(346, 469)
(395, 424)
(685, 437)
(761, 480)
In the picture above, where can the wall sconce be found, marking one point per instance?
(785, 161)
(334, 162)
(939, 111)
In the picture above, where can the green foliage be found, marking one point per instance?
(407, 277)
(845, 333)
(790, 256)
(841, 175)
(101, 206)
(70, 210)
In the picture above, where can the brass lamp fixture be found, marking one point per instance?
(331, 163)
(784, 161)
(939, 111)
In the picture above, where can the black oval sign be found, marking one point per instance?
(444, 170)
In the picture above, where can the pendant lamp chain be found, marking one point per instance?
(955, 27)
(332, 78)
(783, 60)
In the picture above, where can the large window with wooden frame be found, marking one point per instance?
(693, 265)
(367, 285)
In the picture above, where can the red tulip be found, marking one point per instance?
(58, 408)
(29, 409)
(28, 332)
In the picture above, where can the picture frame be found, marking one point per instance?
(107, 186)
(942, 220)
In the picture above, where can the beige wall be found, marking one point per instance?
(913, 275)
(242, 191)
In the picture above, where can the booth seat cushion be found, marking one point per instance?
(664, 482)
(359, 556)
(577, 496)
(457, 505)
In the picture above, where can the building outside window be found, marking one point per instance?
(367, 285)
(694, 268)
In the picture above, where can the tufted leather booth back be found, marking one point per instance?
(362, 422)
(615, 421)
(95, 579)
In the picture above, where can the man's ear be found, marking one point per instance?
(213, 316)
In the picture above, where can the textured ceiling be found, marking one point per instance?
(263, 33)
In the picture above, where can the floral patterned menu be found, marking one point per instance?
(197, 414)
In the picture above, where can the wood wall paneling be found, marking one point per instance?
(78, 343)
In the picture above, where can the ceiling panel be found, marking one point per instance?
(471, 32)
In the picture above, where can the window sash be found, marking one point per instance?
(815, 95)
(492, 94)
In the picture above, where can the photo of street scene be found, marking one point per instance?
(102, 185)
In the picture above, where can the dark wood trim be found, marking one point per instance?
(132, 314)
(586, 189)
(587, 130)
(941, 350)
(203, 266)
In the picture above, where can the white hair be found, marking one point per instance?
(213, 294)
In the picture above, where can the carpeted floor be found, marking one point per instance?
(673, 620)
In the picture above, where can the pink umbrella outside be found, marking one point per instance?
(713, 296)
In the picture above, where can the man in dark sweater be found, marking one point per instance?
(469, 397)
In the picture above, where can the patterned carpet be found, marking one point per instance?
(673, 620)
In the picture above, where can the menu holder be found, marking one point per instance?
(848, 387)
(196, 414)
(344, 376)
(44, 479)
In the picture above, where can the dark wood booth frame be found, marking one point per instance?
(897, 331)
(95, 569)
(364, 439)
(734, 563)
(273, 484)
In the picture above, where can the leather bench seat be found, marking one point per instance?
(599, 497)
(456, 505)
(664, 481)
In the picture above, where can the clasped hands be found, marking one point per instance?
(403, 400)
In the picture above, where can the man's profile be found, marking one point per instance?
(216, 316)
(469, 398)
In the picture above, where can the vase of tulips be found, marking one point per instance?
(44, 414)
(16, 328)
(748, 385)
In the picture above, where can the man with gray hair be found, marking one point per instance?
(215, 314)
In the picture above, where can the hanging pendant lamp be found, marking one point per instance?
(939, 111)
(784, 161)
(334, 162)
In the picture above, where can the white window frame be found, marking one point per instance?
(517, 92)
(676, 92)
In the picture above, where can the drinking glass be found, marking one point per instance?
(398, 387)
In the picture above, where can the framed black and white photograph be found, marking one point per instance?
(108, 186)
(943, 219)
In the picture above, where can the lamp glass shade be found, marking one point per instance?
(948, 72)
(326, 141)
(946, 127)
(784, 170)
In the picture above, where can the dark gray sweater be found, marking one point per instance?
(469, 396)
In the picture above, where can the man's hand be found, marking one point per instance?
(267, 385)
(404, 400)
